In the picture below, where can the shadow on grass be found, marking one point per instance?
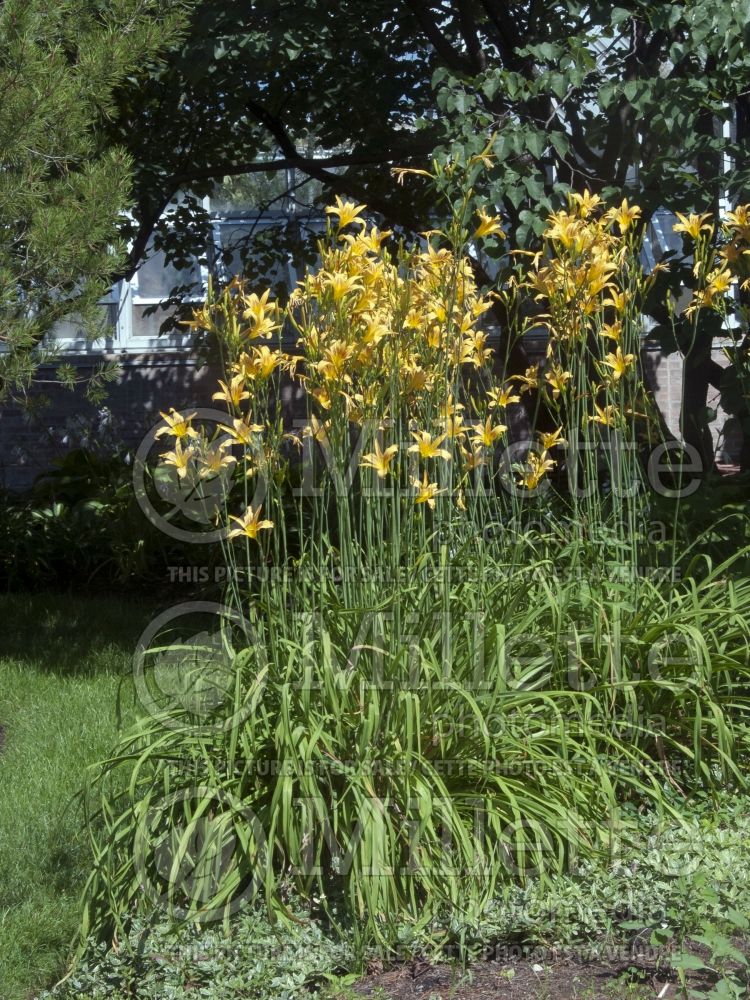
(65, 634)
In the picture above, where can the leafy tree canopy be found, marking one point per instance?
(627, 98)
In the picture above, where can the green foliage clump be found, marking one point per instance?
(80, 527)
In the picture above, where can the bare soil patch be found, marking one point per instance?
(520, 980)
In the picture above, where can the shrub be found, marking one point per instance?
(80, 525)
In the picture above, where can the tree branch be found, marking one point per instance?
(452, 59)
(274, 126)
(470, 36)
(309, 165)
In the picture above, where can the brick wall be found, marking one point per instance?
(30, 440)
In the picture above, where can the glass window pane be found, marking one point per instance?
(256, 251)
(156, 278)
(147, 324)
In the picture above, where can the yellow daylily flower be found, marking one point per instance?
(537, 468)
(732, 252)
(214, 459)
(335, 359)
(489, 225)
(294, 438)
(551, 439)
(619, 363)
(375, 330)
(416, 378)
(342, 284)
(477, 352)
(585, 203)
(379, 460)
(611, 330)
(454, 426)
(426, 491)
(462, 353)
(201, 319)
(451, 407)
(702, 299)
(529, 381)
(359, 404)
(400, 172)
(474, 459)
(486, 435)
(557, 379)
(429, 447)
(180, 458)
(262, 363)
(322, 396)
(347, 212)
(564, 229)
(625, 215)
(480, 308)
(413, 320)
(436, 258)
(740, 217)
(367, 241)
(316, 430)
(720, 281)
(596, 278)
(255, 307)
(617, 299)
(249, 524)
(692, 225)
(502, 397)
(241, 431)
(607, 416)
(261, 314)
(234, 393)
(177, 426)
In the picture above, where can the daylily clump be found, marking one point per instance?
(434, 616)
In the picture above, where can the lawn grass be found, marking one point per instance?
(64, 680)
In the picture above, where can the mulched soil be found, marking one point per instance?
(519, 980)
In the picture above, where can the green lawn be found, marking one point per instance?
(64, 669)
